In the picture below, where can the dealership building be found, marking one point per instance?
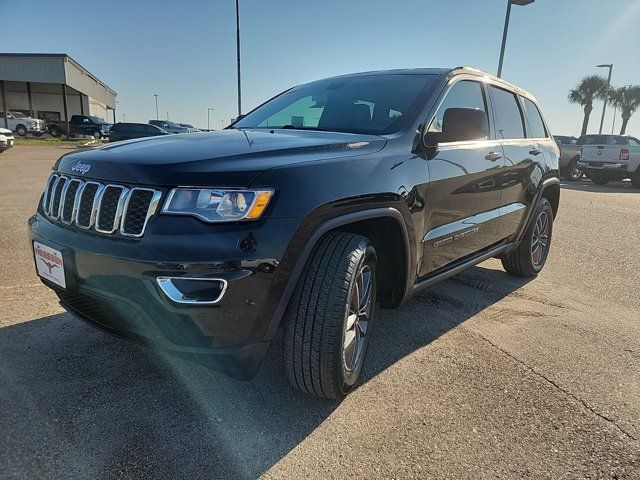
(51, 87)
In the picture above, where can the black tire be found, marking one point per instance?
(317, 317)
(599, 178)
(55, 131)
(572, 172)
(522, 262)
(635, 178)
(97, 135)
(21, 130)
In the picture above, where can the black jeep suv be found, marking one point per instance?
(328, 200)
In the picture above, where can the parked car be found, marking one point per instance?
(326, 201)
(569, 156)
(6, 139)
(22, 124)
(611, 157)
(190, 128)
(129, 131)
(81, 125)
(167, 126)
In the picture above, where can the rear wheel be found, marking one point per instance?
(635, 178)
(599, 178)
(573, 172)
(531, 254)
(328, 320)
(55, 131)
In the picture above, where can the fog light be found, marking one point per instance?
(193, 290)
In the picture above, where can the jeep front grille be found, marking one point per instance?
(104, 208)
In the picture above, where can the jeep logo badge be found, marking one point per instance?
(81, 167)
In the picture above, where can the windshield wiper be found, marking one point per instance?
(293, 127)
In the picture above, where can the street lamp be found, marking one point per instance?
(157, 116)
(209, 109)
(606, 93)
(238, 55)
(520, 3)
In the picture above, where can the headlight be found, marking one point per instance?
(218, 204)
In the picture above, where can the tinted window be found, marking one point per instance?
(507, 114)
(137, 127)
(634, 142)
(375, 104)
(152, 129)
(536, 125)
(464, 94)
(620, 141)
(593, 140)
(118, 127)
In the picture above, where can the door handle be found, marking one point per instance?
(493, 156)
(534, 151)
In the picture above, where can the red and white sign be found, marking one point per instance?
(49, 264)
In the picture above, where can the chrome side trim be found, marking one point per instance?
(151, 209)
(175, 295)
(471, 222)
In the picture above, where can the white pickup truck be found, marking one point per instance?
(611, 157)
(22, 124)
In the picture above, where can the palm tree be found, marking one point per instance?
(589, 89)
(627, 99)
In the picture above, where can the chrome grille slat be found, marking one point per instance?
(47, 192)
(56, 199)
(108, 209)
(69, 198)
(130, 228)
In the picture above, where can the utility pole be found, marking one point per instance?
(238, 55)
(606, 93)
(157, 116)
(209, 109)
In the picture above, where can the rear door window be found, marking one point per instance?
(508, 117)
(534, 120)
(634, 142)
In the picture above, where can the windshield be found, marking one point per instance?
(370, 104)
(96, 120)
(19, 115)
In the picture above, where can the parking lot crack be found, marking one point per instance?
(558, 387)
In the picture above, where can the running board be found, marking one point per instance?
(436, 277)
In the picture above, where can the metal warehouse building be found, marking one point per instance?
(51, 86)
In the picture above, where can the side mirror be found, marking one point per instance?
(460, 124)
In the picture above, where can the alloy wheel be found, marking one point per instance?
(540, 239)
(357, 320)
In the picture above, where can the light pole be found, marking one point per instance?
(606, 93)
(209, 110)
(520, 3)
(157, 116)
(238, 55)
(124, 117)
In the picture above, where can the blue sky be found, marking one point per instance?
(185, 50)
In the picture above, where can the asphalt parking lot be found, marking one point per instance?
(483, 376)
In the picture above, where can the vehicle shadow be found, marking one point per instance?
(77, 403)
(623, 186)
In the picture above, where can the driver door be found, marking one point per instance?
(464, 192)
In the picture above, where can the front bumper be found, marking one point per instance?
(112, 283)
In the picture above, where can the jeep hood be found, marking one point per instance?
(223, 158)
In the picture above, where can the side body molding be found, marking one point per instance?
(312, 241)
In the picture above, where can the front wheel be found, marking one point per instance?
(97, 135)
(21, 130)
(328, 320)
(531, 254)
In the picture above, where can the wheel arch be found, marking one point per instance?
(551, 191)
(370, 222)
